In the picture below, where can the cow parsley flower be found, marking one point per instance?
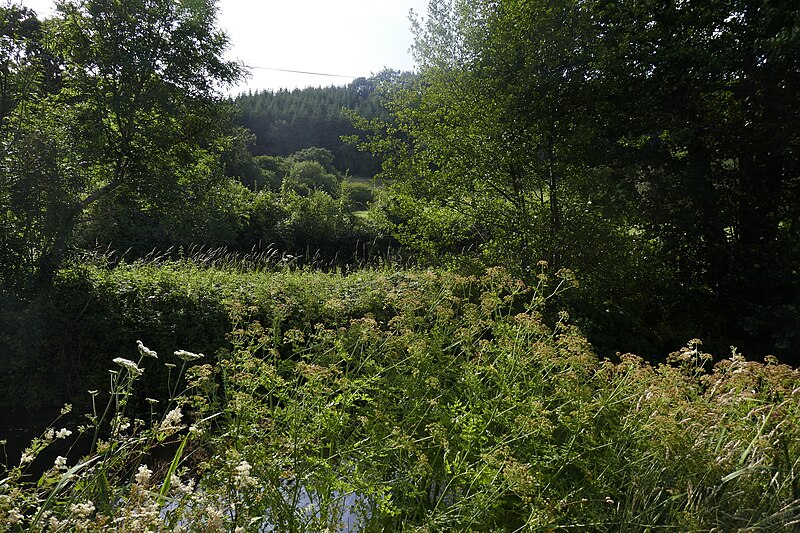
(188, 356)
(132, 367)
(145, 351)
(15, 517)
(81, 510)
(172, 420)
(243, 477)
(143, 475)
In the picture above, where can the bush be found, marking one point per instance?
(212, 218)
(320, 224)
(308, 176)
(359, 195)
(54, 346)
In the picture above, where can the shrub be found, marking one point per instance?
(359, 195)
(307, 176)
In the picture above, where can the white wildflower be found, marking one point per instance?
(27, 457)
(145, 351)
(214, 517)
(243, 477)
(61, 463)
(14, 517)
(49, 434)
(188, 356)
(173, 419)
(81, 510)
(121, 422)
(63, 433)
(188, 487)
(132, 367)
(143, 475)
(66, 409)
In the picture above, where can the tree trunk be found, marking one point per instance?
(555, 208)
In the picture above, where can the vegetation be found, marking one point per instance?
(131, 115)
(434, 333)
(463, 410)
(648, 146)
(284, 122)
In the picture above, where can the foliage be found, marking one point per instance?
(307, 176)
(627, 140)
(452, 406)
(167, 304)
(310, 215)
(707, 123)
(359, 195)
(215, 215)
(285, 122)
(135, 114)
(322, 156)
(111, 486)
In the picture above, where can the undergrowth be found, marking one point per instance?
(452, 405)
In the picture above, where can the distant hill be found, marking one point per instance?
(287, 121)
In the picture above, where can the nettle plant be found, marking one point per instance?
(458, 409)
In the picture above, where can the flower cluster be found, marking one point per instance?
(129, 365)
(242, 477)
(145, 351)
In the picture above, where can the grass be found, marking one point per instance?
(374, 183)
(418, 401)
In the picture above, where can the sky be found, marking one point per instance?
(349, 38)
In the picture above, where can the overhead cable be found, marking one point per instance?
(302, 72)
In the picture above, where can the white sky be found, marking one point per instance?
(347, 37)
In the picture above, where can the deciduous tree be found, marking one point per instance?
(137, 112)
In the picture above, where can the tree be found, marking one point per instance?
(491, 137)
(648, 145)
(25, 66)
(27, 73)
(323, 156)
(285, 122)
(136, 113)
(310, 175)
(707, 111)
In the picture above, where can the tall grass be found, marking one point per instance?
(450, 406)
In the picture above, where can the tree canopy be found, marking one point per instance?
(650, 146)
(135, 113)
(284, 122)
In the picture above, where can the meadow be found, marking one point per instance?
(389, 399)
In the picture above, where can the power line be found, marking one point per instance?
(302, 72)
